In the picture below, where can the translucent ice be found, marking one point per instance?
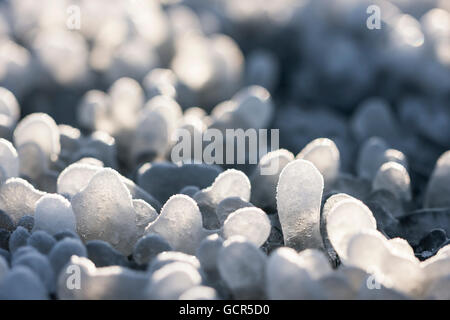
(152, 139)
(196, 117)
(92, 109)
(164, 82)
(396, 156)
(180, 223)
(439, 184)
(299, 194)
(148, 247)
(9, 159)
(40, 129)
(54, 214)
(230, 183)
(160, 82)
(104, 210)
(264, 185)
(324, 155)
(391, 267)
(5, 254)
(345, 219)
(9, 105)
(393, 176)
(228, 206)
(157, 123)
(242, 267)
(167, 257)
(18, 198)
(251, 223)
(170, 281)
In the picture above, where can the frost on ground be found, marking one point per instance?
(92, 205)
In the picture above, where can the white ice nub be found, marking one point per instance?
(299, 195)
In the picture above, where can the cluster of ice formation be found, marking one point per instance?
(93, 207)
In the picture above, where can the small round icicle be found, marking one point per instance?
(299, 196)
(438, 187)
(393, 177)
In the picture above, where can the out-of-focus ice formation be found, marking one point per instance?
(92, 93)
